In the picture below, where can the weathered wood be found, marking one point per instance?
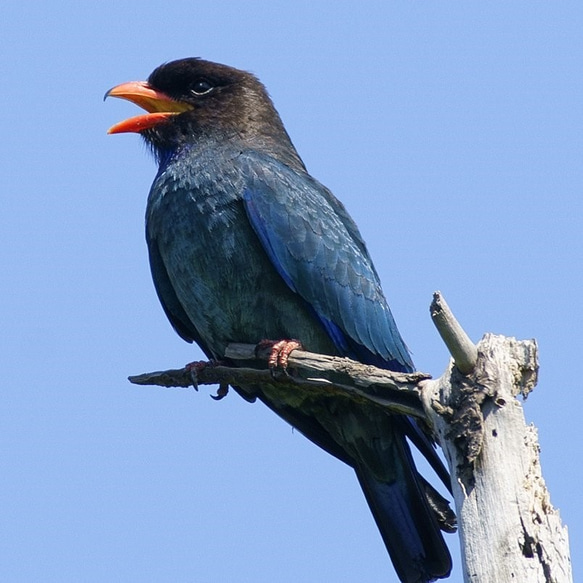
(509, 530)
(462, 349)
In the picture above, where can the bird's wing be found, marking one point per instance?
(318, 251)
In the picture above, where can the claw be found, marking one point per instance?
(194, 368)
(221, 393)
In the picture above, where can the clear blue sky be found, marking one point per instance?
(452, 132)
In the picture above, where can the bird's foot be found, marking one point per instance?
(196, 367)
(279, 352)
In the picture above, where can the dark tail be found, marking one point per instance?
(407, 525)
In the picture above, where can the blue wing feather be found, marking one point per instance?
(316, 248)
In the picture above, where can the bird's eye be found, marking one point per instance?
(201, 87)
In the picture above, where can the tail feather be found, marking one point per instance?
(407, 524)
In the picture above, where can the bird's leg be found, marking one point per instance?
(279, 351)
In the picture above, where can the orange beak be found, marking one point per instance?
(159, 106)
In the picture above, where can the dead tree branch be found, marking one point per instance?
(461, 348)
(395, 391)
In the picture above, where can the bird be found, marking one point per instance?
(245, 245)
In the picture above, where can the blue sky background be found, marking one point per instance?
(452, 132)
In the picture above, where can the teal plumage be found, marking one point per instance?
(245, 245)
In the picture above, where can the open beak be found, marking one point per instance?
(159, 106)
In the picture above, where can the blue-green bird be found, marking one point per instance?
(245, 245)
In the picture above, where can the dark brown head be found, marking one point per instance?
(190, 100)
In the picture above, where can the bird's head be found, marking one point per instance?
(190, 99)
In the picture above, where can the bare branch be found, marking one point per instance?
(394, 391)
(460, 346)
